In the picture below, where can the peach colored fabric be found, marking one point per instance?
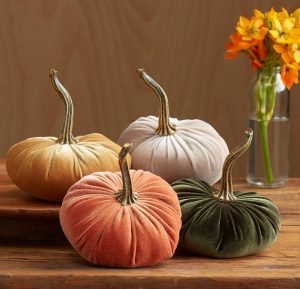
(107, 233)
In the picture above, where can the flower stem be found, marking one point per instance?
(263, 127)
(265, 103)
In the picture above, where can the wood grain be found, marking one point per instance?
(26, 218)
(49, 265)
(97, 45)
(54, 264)
(45, 265)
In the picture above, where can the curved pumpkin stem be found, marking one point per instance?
(164, 126)
(66, 136)
(226, 192)
(125, 196)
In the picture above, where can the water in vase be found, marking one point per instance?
(278, 132)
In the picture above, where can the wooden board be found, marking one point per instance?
(55, 264)
(24, 217)
(50, 265)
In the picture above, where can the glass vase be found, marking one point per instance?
(268, 162)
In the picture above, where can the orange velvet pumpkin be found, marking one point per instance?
(125, 219)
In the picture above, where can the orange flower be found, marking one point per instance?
(289, 75)
(289, 53)
(261, 51)
(255, 50)
(285, 52)
(257, 54)
(255, 63)
(295, 48)
(236, 45)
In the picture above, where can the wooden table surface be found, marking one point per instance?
(54, 264)
(23, 217)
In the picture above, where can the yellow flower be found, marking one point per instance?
(250, 29)
(283, 14)
(283, 30)
(258, 14)
(269, 17)
(296, 14)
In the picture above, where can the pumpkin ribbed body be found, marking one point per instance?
(217, 228)
(109, 233)
(46, 169)
(195, 149)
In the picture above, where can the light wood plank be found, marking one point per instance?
(96, 47)
(53, 264)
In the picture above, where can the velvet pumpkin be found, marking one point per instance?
(125, 219)
(45, 167)
(171, 148)
(225, 224)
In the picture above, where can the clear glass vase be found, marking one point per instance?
(268, 162)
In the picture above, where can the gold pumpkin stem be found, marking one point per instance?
(125, 196)
(66, 136)
(226, 192)
(164, 126)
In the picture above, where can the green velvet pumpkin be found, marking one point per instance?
(225, 224)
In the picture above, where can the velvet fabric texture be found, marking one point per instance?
(221, 229)
(194, 150)
(46, 169)
(107, 233)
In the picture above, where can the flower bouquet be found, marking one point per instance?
(272, 42)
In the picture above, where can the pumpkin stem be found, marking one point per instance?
(125, 196)
(66, 136)
(226, 192)
(164, 126)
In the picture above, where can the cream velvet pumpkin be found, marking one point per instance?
(172, 148)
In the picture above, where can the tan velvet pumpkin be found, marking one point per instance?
(45, 167)
(172, 148)
(125, 219)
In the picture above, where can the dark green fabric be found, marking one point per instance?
(215, 228)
